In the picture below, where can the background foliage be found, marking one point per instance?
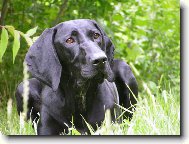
(146, 35)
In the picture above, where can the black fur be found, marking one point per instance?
(74, 79)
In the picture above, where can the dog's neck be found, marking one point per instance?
(80, 93)
(77, 89)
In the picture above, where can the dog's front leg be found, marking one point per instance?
(47, 124)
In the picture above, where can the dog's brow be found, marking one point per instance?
(74, 32)
(91, 31)
(94, 30)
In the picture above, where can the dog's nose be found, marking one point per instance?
(99, 60)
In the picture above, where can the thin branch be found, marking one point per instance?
(61, 11)
(4, 12)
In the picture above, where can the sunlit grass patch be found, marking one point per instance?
(10, 123)
(161, 117)
(156, 114)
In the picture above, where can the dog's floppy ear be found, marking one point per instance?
(109, 49)
(107, 44)
(42, 60)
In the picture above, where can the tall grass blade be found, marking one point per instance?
(9, 114)
(131, 91)
(23, 115)
(89, 126)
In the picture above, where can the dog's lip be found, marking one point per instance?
(89, 75)
(94, 72)
(99, 72)
(97, 77)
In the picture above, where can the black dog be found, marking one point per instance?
(75, 77)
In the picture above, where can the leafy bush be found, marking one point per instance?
(146, 34)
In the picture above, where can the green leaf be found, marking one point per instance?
(27, 38)
(35, 38)
(3, 42)
(31, 31)
(16, 44)
(134, 52)
(10, 29)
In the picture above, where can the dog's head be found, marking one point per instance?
(81, 45)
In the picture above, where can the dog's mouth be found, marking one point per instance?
(99, 73)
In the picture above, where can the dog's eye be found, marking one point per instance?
(96, 35)
(70, 40)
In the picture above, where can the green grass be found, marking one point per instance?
(10, 124)
(156, 114)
